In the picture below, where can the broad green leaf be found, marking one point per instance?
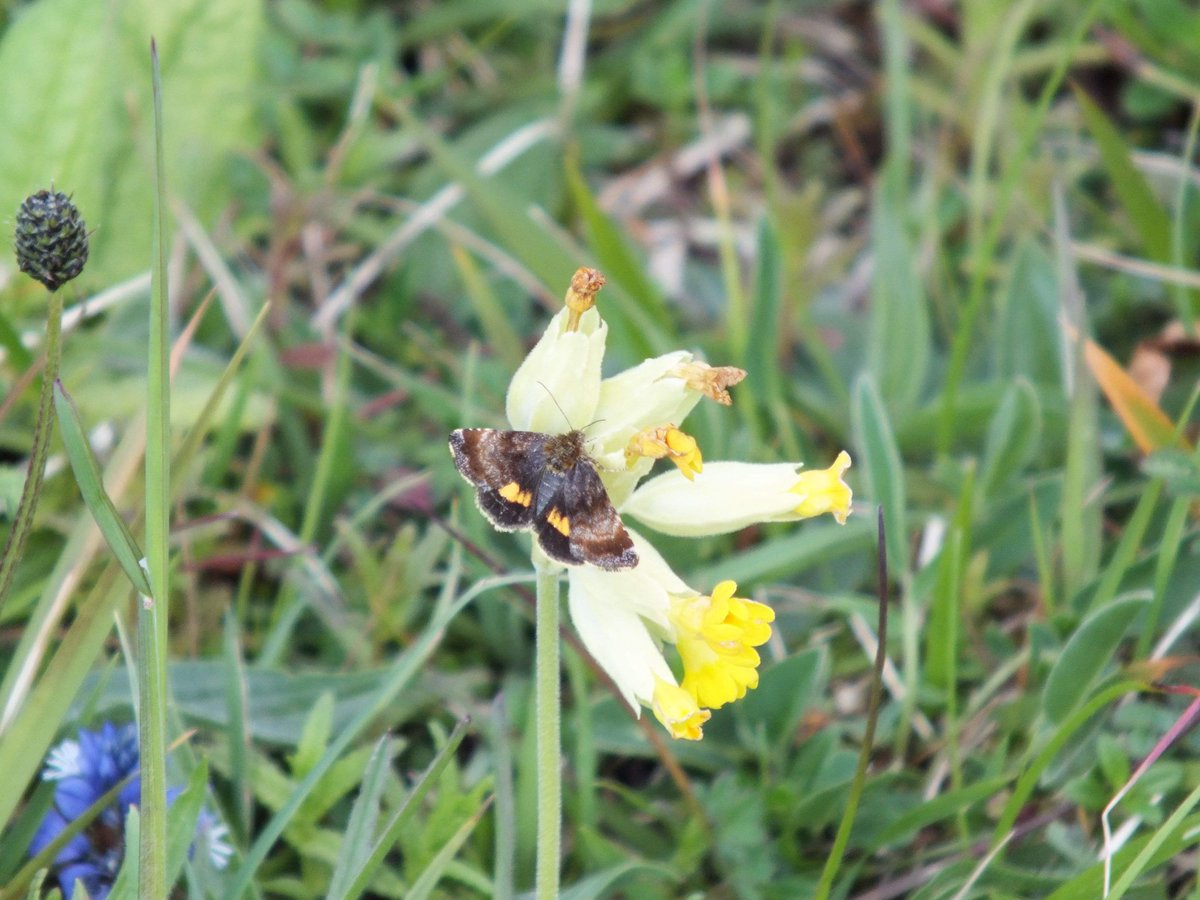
(783, 695)
(1027, 344)
(897, 98)
(70, 123)
(1012, 437)
(278, 704)
(898, 345)
(61, 126)
(1090, 649)
(87, 476)
(315, 737)
(764, 372)
(879, 459)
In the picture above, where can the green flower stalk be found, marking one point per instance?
(52, 246)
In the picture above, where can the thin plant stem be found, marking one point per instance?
(153, 616)
(23, 520)
(549, 738)
(834, 861)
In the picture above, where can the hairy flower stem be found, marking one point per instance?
(549, 736)
(23, 520)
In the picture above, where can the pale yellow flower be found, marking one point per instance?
(729, 496)
(626, 617)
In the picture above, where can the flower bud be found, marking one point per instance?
(51, 239)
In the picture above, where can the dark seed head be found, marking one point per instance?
(51, 240)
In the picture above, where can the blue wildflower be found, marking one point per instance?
(85, 770)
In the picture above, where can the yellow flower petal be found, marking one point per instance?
(716, 637)
(824, 491)
(678, 712)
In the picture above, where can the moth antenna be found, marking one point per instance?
(560, 409)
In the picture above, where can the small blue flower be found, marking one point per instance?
(85, 770)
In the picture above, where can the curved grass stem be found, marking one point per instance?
(42, 429)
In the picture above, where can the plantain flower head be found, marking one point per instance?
(51, 238)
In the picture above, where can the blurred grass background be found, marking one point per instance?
(957, 239)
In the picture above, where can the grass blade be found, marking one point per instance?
(153, 615)
(185, 813)
(1148, 216)
(1032, 771)
(402, 672)
(402, 817)
(1170, 829)
(87, 475)
(428, 879)
(126, 887)
(356, 841)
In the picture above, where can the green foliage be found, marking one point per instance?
(887, 215)
(87, 475)
(83, 114)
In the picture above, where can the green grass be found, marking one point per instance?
(890, 217)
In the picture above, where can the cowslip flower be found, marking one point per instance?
(85, 769)
(625, 617)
